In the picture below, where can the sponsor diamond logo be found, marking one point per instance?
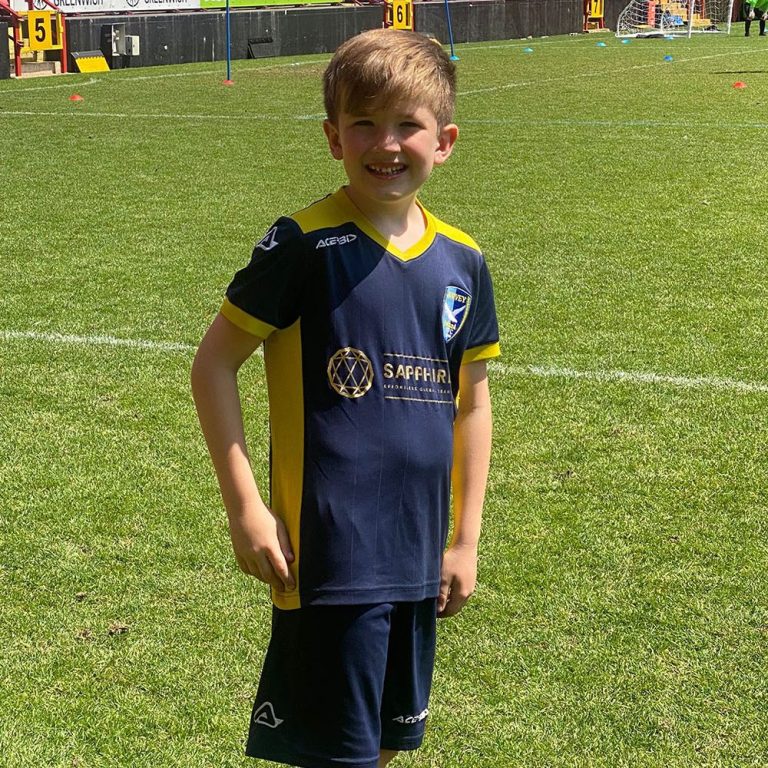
(350, 372)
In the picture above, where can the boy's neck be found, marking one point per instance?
(401, 222)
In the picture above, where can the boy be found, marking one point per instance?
(375, 318)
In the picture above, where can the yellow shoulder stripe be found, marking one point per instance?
(337, 209)
(244, 321)
(455, 234)
(325, 213)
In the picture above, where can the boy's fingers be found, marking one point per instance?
(281, 571)
(444, 597)
(285, 541)
(263, 571)
(453, 597)
(455, 604)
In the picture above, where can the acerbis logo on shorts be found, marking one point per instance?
(411, 719)
(265, 715)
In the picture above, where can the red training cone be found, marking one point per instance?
(739, 84)
(76, 97)
(228, 82)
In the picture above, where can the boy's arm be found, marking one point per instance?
(259, 539)
(471, 458)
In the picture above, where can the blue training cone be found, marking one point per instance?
(667, 58)
(527, 50)
(601, 44)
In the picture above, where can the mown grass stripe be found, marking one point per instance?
(603, 73)
(505, 369)
(632, 377)
(96, 341)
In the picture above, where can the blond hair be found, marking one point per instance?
(383, 67)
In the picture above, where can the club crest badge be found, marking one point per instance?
(456, 303)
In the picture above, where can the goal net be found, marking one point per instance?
(651, 18)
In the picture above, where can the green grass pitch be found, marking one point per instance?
(622, 614)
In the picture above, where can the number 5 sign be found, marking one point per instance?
(44, 31)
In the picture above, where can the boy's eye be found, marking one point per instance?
(363, 122)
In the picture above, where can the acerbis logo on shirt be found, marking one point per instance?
(341, 240)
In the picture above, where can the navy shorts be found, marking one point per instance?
(341, 682)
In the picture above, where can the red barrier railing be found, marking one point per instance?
(17, 19)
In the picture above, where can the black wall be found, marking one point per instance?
(5, 58)
(175, 38)
(612, 9)
(488, 20)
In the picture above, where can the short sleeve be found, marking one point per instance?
(266, 295)
(484, 330)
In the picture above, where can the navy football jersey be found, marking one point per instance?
(363, 345)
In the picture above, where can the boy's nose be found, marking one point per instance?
(388, 139)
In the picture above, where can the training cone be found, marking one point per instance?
(227, 82)
(601, 44)
(739, 85)
(625, 41)
(76, 97)
(527, 50)
(667, 58)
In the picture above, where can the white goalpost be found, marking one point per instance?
(653, 18)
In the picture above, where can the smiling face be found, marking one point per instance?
(388, 154)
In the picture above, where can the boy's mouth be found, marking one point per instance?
(386, 170)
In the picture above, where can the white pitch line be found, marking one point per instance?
(568, 122)
(632, 377)
(21, 89)
(115, 78)
(565, 122)
(606, 73)
(96, 341)
(151, 115)
(550, 372)
(238, 71)
(262, 117)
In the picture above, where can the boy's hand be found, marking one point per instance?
(457, 579)
(262, 547)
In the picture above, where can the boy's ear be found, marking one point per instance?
(446, 139)
(334, 144)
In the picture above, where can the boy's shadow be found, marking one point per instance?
(741, 72)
